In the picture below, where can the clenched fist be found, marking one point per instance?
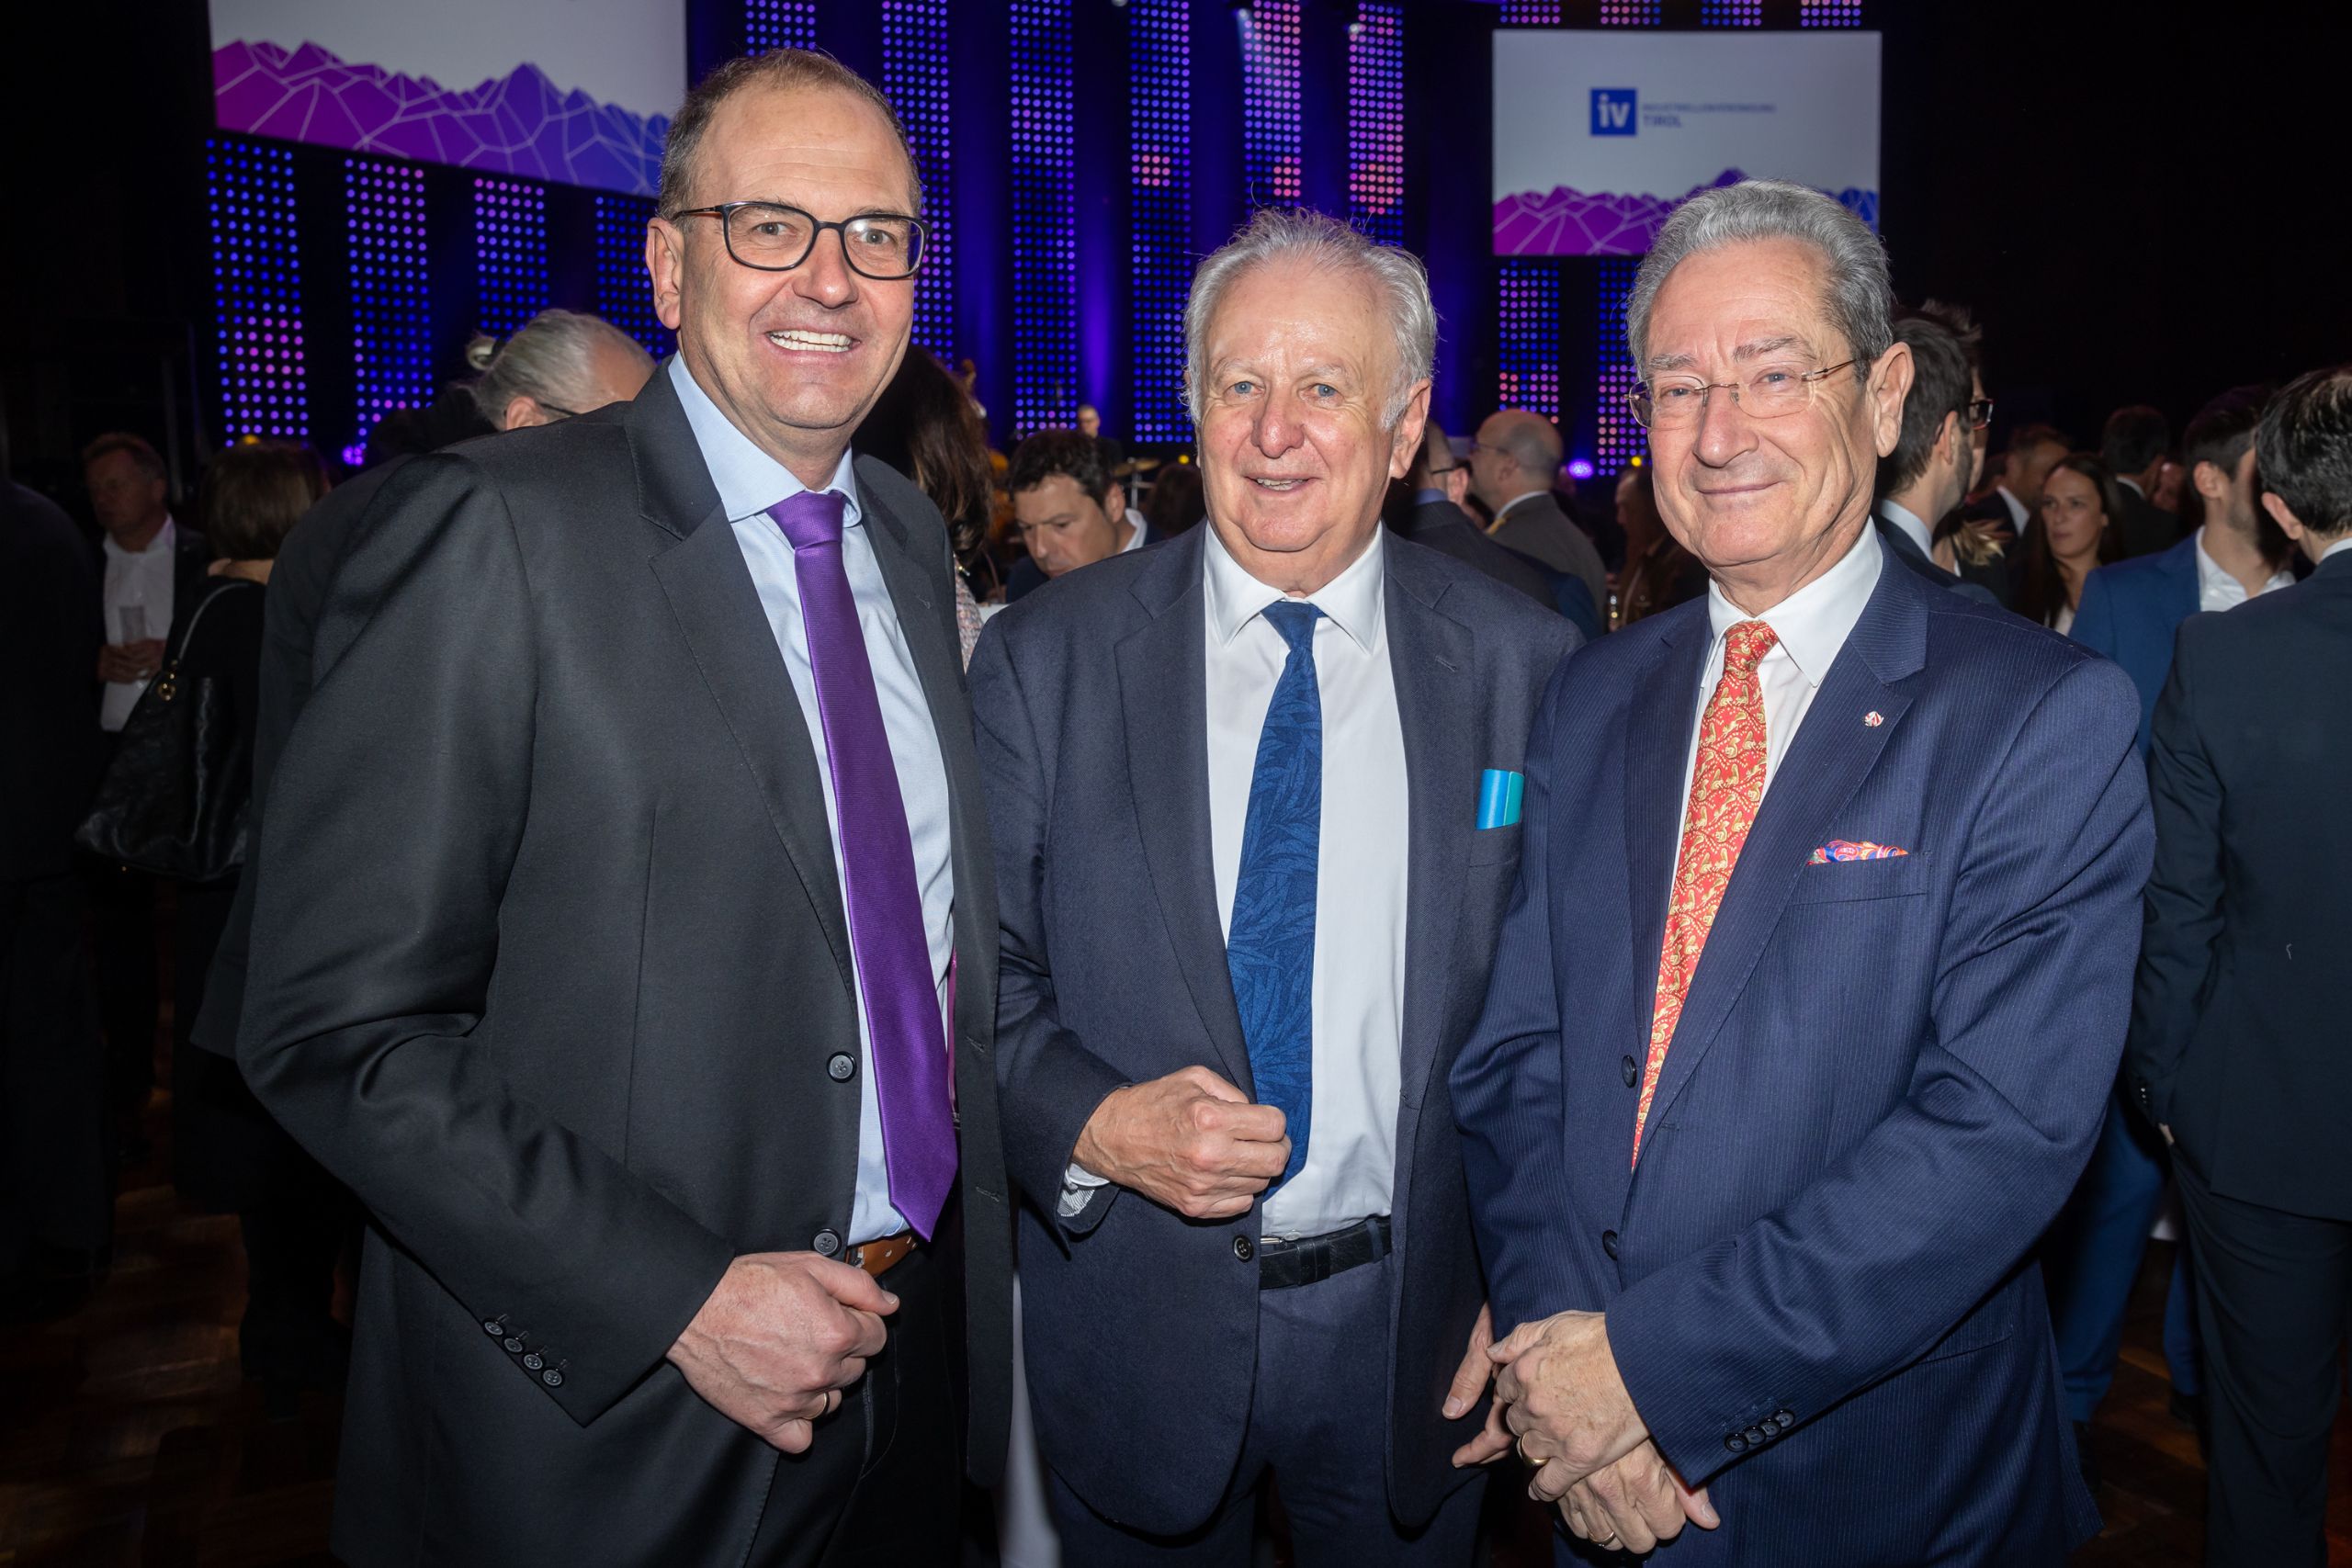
(1190, 1140)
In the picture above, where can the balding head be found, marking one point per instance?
(1517, 452)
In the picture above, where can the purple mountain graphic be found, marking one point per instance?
(1570, 223)
(517, 124)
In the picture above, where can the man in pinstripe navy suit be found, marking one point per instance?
(1757, 1158)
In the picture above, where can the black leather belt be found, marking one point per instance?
(1312, 1259)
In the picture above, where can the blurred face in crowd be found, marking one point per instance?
(1978, 437)
(2030, 467)
(796, 358)
(2230, 494)
(616, 373)
(1498, 477)
(1297, 452)
(2072, 514)
(129, 501)
(1066, 528)
(1768, 504)
(2171, 478)
(1090, 420)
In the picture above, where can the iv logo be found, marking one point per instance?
(1613, 111)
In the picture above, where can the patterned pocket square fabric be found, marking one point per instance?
(1848, 849)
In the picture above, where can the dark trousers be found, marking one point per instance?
(122, 927)
(2274, 1299)
(882, 1484)
(1319, 1426)
(53, 1181)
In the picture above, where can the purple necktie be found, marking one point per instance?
(908, 1046)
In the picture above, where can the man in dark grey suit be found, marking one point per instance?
(1226, 1019)
(1512, 464)
(1432, 516)
(628, 907)
(1935, 459)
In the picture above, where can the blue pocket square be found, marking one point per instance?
(1498, 796)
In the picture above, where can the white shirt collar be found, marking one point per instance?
(749, 480)
(1908, 521)
(1134, 539)
(1502, 511)
(1812, 624)
(2335, 549)
(2213, 583)
(2132, 485)
(162, 541)
(1353, 599)
(2018, 513)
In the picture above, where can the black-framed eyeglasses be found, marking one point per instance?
(1773, 392)
(1449, 468)
(768, 236)
(1980, 413)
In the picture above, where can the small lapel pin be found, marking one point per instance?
(1873, 718)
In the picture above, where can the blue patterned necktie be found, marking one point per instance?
(1269, 946)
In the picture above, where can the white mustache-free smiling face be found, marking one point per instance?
(1294, 454)
(795, 358)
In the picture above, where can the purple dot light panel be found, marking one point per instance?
(1528, 325)
(1269, 144)
(391, 348)
(1632, 13)
(779, 24)
(914, 75)
(623, 290)
(572, 91)
(1160, 134)
(510, 254)
(1045, 282)
(1531, 13)
(256, 289)
(1829, 12)
(1617, 439)
(1377, 122)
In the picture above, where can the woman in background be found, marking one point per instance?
(925, 425)
(2080, 503)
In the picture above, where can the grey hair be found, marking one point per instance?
(548, 359)
(1326, 244)
(1861, 299)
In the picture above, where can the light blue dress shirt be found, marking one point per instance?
(749, 482)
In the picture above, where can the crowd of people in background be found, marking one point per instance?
(155, 602)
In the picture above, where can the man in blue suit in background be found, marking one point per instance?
(1814, 987)
(1239, 787)
(2128, 614)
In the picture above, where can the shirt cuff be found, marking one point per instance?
(1079, 1185)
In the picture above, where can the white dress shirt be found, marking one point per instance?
(1912, 525)
(1812, 625)
(2219, 589)
(749, 482)
(141, 581)
(1134, 539)
(2017, 513)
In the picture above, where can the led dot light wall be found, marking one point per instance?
(624, 289)
(1045, 222)
(1528, 328)
(1617, 439)
(779, 24)
(1731, 13)
(391, 348)
(1632, 13)
(1159, 168)
(1377, 122)
(914, 73)
(510, 254)
(256, 289)
(1829, 12)
(1270, 34)
(1531, 13)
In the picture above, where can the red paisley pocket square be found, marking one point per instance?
(1847, 849)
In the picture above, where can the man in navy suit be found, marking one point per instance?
(1935, 459)
(1251, 800)
(1806, 1012)
(2128, 614)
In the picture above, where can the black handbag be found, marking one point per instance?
(175, 798)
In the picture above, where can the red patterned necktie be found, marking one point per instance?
(1727, 786)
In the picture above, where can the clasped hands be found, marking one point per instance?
(1558, 1400)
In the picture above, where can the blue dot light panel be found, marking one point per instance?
(1269, 142)
(257, 290)
(391, 346)
(1617, 439)
(1531, 13)
(1529, 327)
(1377, 122)
(623, 288)
(1045, 222)
(779, 24)
(914, 75)
(1731, 13)
(1632, 13)
(510, 254)
(1829, 12)
(1159, 131)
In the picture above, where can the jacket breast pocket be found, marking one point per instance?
(1495, 846)
(1837, 882)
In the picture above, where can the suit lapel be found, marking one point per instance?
(1659, 722)
(1163, 692)
(1833, 753)
(719, 615)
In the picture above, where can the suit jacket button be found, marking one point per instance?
(841, 1068)
(553, 1378)
(1609, 1244)
(1631, 1071)
(493, 1328)
(1736, 1443)
(1756, 1434)
(535, 1360)
(1783, 1419)
(513, 1345)
(1243, 1248)
(827, 1242)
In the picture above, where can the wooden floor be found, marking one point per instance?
(126, 1438)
